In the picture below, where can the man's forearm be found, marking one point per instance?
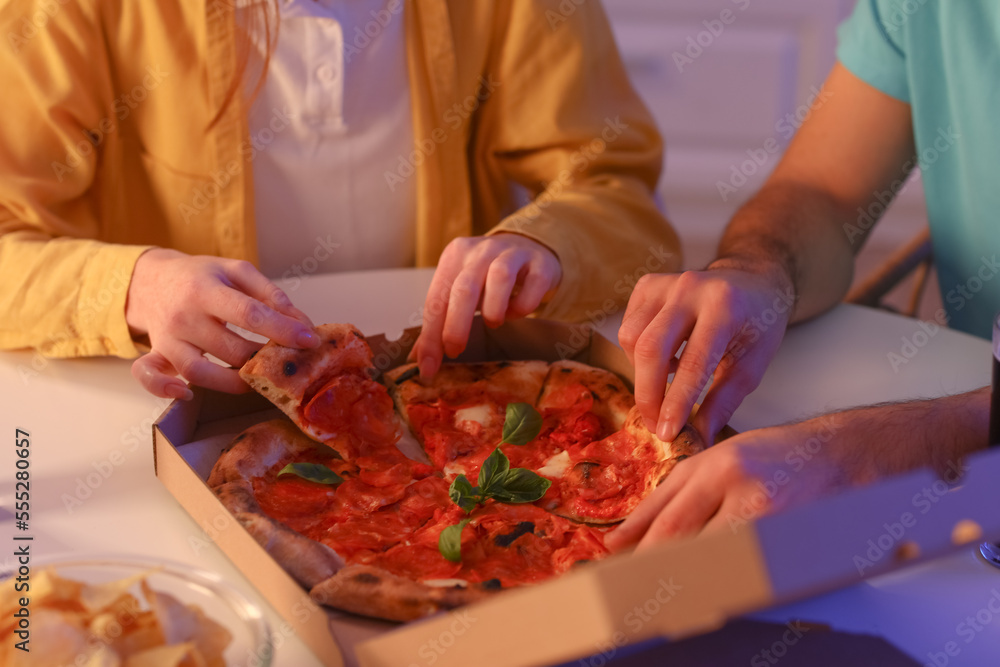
(795, 234)
(888, 439)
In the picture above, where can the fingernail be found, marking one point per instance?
(427, 368)
(307, 339)
(179, 391)
(664, 432)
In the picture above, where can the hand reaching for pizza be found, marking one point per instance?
(733, 321)
(505, 276)
(183, 303)
(746, 476)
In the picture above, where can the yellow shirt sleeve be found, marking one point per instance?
(567, 124)
(62, 292)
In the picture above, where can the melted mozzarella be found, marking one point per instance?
(479, 414)
(452, 469)
(557, 465)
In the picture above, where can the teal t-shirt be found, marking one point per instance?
(943, 58)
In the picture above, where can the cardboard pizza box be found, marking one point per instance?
(675, 590)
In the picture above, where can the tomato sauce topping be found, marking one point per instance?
(355, 406)
(509, 544)
(607, 478)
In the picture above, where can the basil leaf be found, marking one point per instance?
(522, 486)
(493, 472)
(314, 472)
(450, 542)
(521, 425)
(463, 493)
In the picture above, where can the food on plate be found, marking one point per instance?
(124, 622)
(401, 498)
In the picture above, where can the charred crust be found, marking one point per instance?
(332, 341)
(252, 355)
(503, 364)
(565, 370)
(491, 585)
(583, 561)
(682, 457)
(523, 528)
(366, 578)
(612, 387)
(239, 437)
(290, 368)
(357, 334)
(594, 394)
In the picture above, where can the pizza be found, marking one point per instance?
(397, 497)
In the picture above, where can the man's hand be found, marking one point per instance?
(505, 276)
(764, 471)
(733, 320)
(183, 304)
(749, 475)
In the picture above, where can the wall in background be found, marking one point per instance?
(728, 82)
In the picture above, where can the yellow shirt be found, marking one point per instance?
(106, 149)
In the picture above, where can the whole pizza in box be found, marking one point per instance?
(399, 497)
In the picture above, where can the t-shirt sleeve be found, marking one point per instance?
(871, 46)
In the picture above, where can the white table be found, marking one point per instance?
(94, 491)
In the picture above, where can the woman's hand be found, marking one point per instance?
(505, 276)
(183, 303)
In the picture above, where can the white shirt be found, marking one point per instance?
(331, 118)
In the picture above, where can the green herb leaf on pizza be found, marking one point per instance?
(522, 486)
(314, 472)
(493, 472)
(450, 541)
(521, 425)
(464, 494)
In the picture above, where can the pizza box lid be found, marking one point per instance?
(675, 590)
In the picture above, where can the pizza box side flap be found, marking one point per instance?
(672, 590)
(284, 594)
(840, 540)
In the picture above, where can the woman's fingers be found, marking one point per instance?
(159, 377)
